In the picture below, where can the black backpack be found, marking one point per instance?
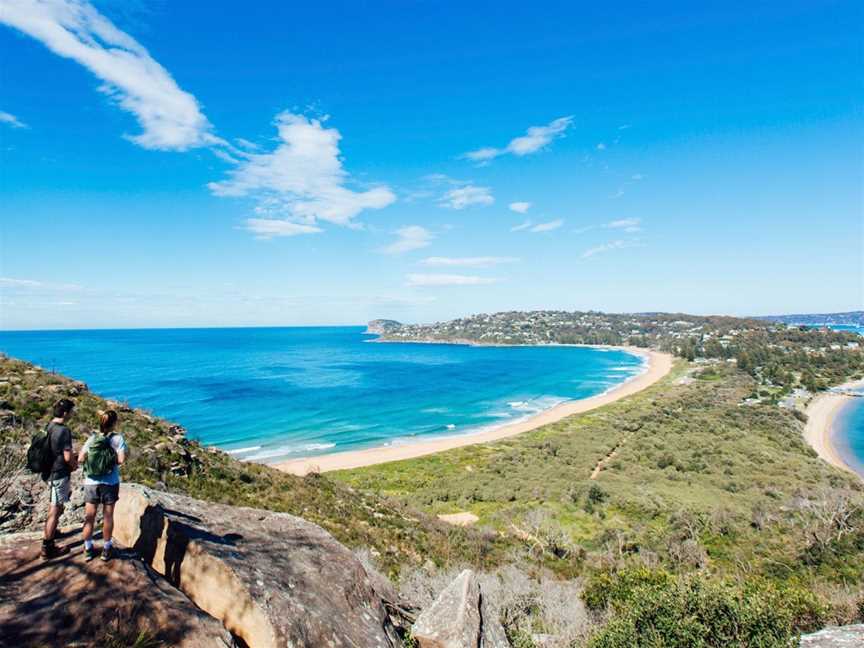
(40, 457)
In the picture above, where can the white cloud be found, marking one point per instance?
(520, 207)
(417, 280)
(411, 237)
(266, 228)
(637, 176)
(463, 197)
(522, 226)
(467, 262)
(601, 146)
(10, 285)
(536, 138)
(9, 118)
(627, 224)
(170, 118)
(612, 245)
(548, 227)
(7, 282)
(302, 180)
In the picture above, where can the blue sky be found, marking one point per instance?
(171, 164)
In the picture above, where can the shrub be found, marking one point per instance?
(652, 608)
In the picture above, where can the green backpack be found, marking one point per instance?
(101, 457)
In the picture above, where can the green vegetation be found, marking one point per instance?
(656, 608)
(700, 482)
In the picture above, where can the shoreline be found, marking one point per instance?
(822, 413)
(657, 365)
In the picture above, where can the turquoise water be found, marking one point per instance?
(848, 434)
(266, 394)
(848, 431)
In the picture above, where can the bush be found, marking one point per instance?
(652, 608)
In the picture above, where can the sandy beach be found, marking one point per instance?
(821, 413)
(658, 365)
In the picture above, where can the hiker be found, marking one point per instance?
(102, 455)
(62, 464)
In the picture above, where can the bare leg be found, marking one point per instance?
(107, 521)
(89, 520)
(54, 513)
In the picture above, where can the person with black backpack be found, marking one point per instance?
(61, 463)
(102, 455)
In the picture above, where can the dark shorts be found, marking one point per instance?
(101, 493)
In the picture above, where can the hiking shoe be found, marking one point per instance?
(51, 550)
(106, 554)
(89, 554)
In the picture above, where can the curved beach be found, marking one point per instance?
(821, 415)
(658, 365)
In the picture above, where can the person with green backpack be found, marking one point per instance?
(102, 455)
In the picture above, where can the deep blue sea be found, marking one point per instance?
(266, 394)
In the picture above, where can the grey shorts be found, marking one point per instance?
(101, 493)
(60, 491)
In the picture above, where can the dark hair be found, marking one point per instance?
(107, 421)
(63, 407)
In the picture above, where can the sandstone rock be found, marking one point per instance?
(273, 579)
(492, 634)
(69, 602)
(453, 620)
(851, 636)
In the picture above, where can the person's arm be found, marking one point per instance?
(70, 459)
(122, 450)
(68, 454)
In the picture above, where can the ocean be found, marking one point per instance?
(847, 434)
(268, 394)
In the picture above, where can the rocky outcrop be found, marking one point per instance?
(67, 602)
(382, 326)
(835, 637)
(271, 578)
(458, 618)
(24, 502)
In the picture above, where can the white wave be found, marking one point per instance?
(450, 426)
(284, 451)
(242, 450)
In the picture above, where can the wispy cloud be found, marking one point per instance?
(629, 225)
(548, 227)
(520, 207)
(9, 119)
(466, 196)
(301, 182)
(535, 139)
(626, 224)
(420, 280)
(410, 237)
(467, 262)
(522, 226)
(170, 117)
(611, 245)
(267, 228)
